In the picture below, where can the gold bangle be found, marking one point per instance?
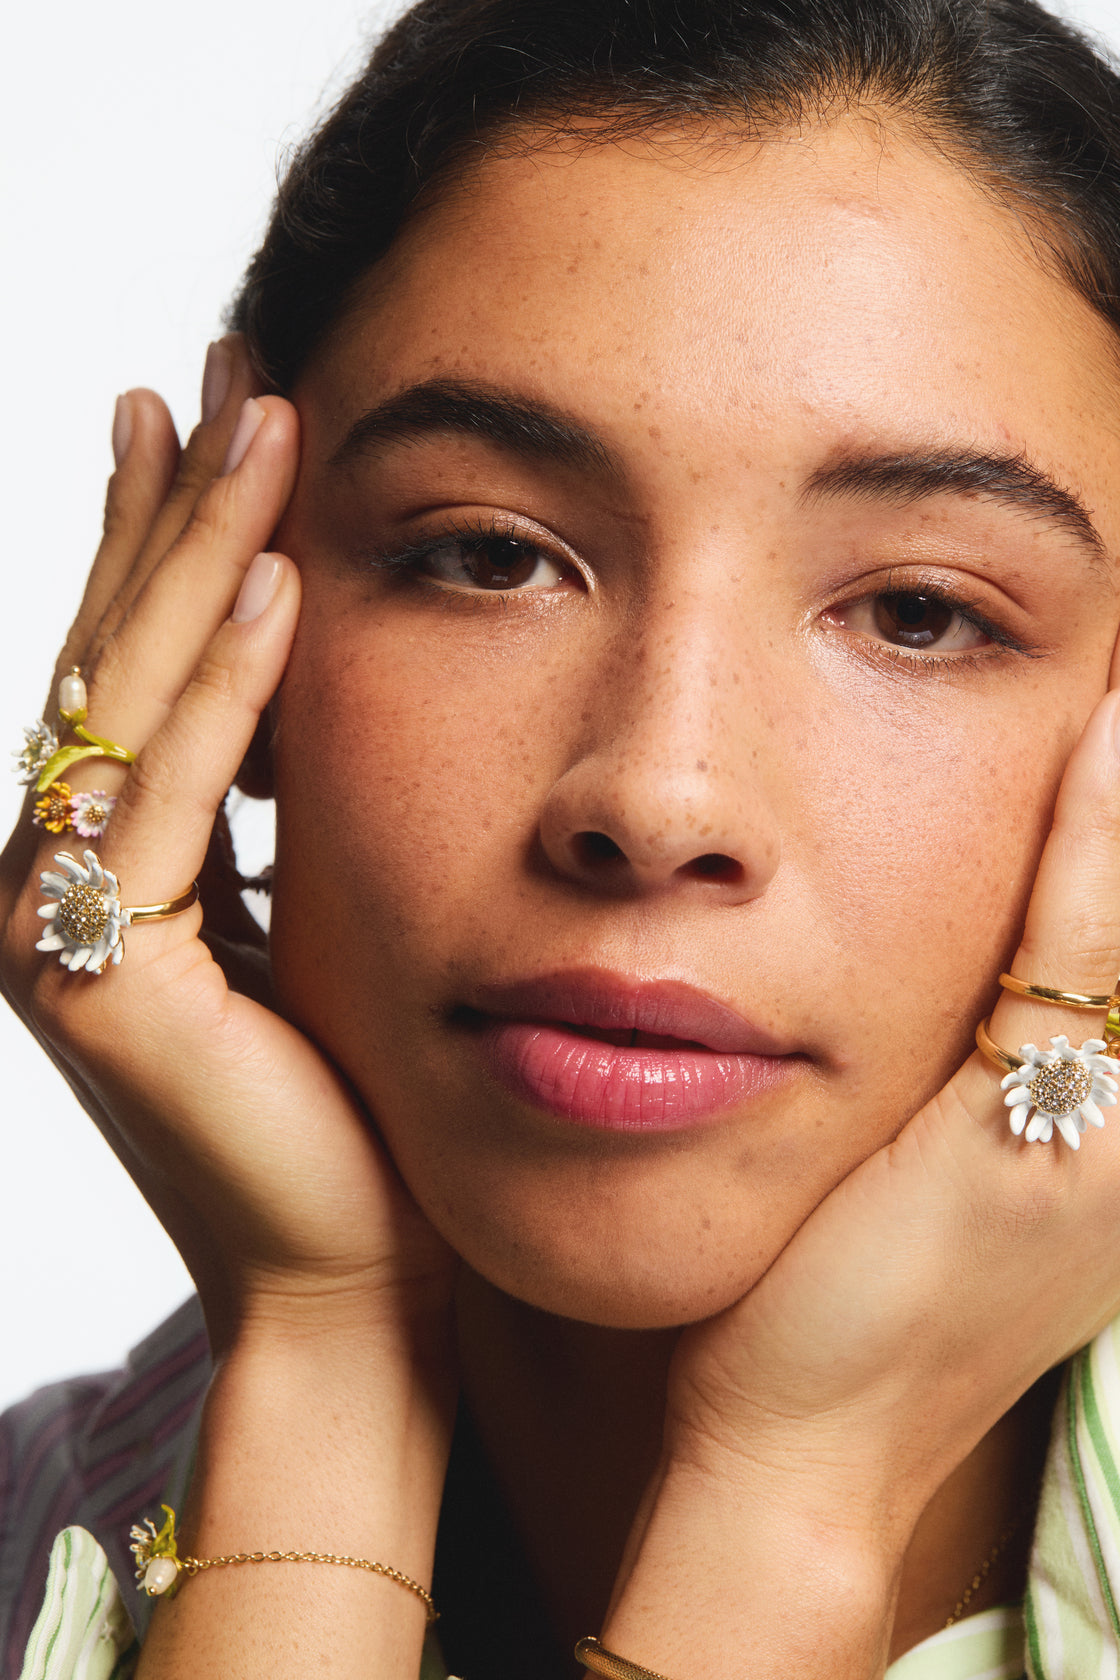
(592, 1655)
(159, 1566)
(1051, 994)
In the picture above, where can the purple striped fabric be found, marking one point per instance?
(102, 1451)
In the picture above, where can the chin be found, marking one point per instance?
(626, 1288)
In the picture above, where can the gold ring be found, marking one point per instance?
(1050, 994)
(987, 1046)
(85, 917)
(592, 1655)
(160, 912)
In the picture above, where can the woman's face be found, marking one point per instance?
(705, 555)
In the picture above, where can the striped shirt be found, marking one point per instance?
(81, 1461)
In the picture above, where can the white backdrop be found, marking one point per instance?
(140, 144)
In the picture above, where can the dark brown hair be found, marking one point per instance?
(1016, 96)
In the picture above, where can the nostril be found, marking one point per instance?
(593, 848)
(715, 866)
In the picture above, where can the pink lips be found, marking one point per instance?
(623, 1055)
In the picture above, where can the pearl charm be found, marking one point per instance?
(72, 696)
(159, 1575)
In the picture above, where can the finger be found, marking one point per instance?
(146, 453)
(228, 381)
(1071, 938)
(145, 665)
(158, 838)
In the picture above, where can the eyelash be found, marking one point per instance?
(916, 662)
(474, 534)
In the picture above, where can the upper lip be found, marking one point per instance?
(619, 1003)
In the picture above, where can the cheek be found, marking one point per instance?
(934, 830)
(408, 788)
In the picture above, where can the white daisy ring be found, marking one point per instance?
(85, 917)
(1063, 1088)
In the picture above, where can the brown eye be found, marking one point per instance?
(500, 563)
(915, 621)
(491, 562)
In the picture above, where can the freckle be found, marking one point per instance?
(701, 764)
(655, 433)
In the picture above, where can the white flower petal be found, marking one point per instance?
(77, 958)
(1061, 1045)
(98, 954)
(52, 882)
(1090, 1112)
(118, 952)
(93, 865)
(46, 910)
(1032, 1054)
(1019, 1117)
(1065, 1125)
(71, 866)
(1021, 1094)
(52, 942)
(1041, 1128)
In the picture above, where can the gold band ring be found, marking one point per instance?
(160, 912)
(987, 1046)
(592, 1655)
(1050, 994)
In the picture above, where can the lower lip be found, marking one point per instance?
(616, 1089)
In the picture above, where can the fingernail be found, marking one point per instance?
(257, 589)
(216, 376)
(243, 434)
(122, 429)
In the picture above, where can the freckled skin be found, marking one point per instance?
(738, 316)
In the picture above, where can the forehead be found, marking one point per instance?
(755, 299)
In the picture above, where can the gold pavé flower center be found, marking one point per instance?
(1061, 1087)
(82, 915)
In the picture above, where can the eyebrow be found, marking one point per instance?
(1011, 480)
(520, 425)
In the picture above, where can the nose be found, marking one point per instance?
(666, 791)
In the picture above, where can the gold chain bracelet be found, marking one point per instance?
(159, 1566)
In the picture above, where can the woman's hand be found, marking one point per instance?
(811, 1424)
(251, 1148)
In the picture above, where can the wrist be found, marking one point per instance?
(757, 1576)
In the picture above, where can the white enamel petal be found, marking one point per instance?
(47, 910)
(118, 951)
(1065, 1125)
(52, 882)
(1092, 1046)
(1090, 1112)
(52, 942)
(99, 954)
(71, 866)
(1105, 1099)
(1032, 1054)
(96, 873)
(1105, 1082)
(77, 958)
(1021, 1094)
(1061, 1045)
(1041, 1129)
(1019, 1117)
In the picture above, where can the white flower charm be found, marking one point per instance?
(40, 743)
(156, 1554)
(1066, 1088)
(86, 917)
(90, 812)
